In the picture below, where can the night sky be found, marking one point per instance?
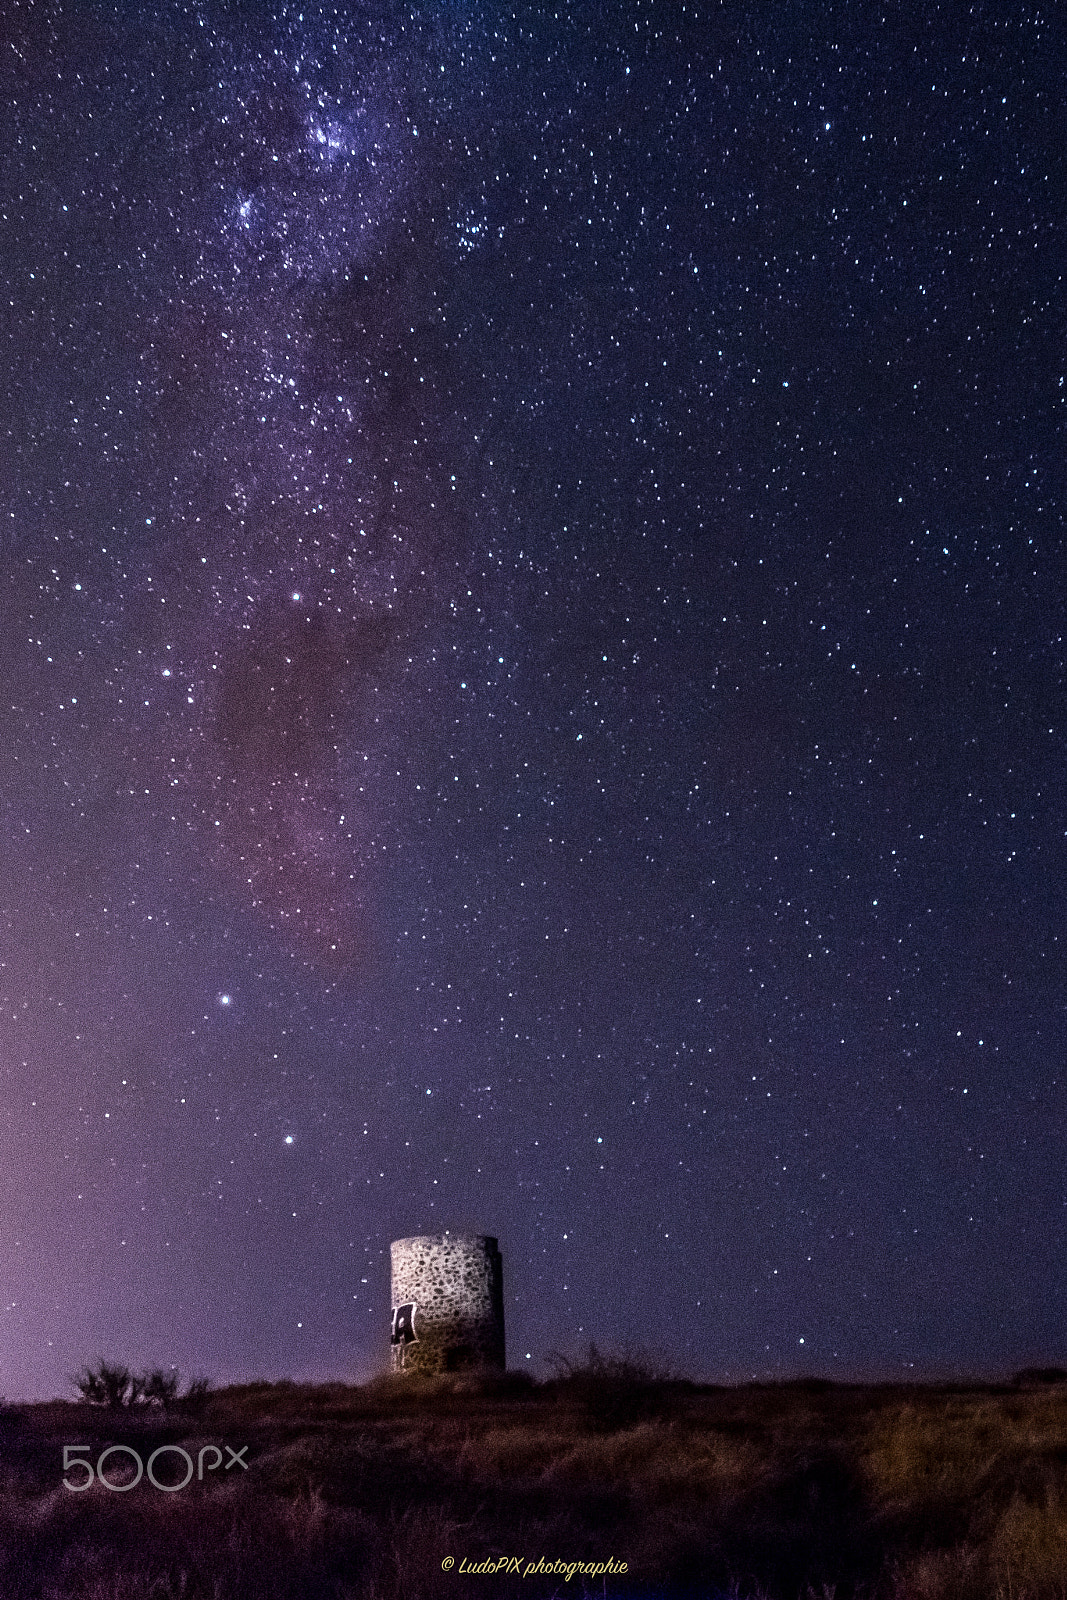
(532, 681)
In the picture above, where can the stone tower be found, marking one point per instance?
(448, 1303)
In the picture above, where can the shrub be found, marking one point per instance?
(1037, 1375)
(197, 1393)
(618, 1391)
(107, 1385)
(159, 1387)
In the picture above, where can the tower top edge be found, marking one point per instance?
(481, 1241)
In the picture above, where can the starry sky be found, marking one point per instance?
(532, 681)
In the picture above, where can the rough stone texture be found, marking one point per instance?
(455, 1283)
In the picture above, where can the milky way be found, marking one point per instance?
(532, 673)
(293, 397)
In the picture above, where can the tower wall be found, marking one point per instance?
(448, 1303)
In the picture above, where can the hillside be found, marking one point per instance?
(363, 1493)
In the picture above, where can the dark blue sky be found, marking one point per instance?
(532, 682)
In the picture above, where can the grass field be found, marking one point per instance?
(760, 1492)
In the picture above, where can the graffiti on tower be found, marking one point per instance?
(404, 1324)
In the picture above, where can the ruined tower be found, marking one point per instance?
(448, 1303)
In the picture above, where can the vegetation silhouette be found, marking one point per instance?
(783, 1491)
(114, 1385)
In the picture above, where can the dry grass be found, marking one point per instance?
(788, 1492)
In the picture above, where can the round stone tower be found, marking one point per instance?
(448, 1303)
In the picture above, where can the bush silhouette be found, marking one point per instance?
(113, 1384)
(617, 1391)
(159, 1387)
(106, 1385)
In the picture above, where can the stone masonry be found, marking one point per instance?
(448, 1303)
